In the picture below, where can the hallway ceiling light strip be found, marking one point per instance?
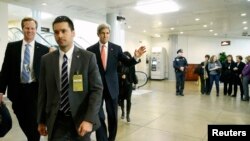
(157, 6)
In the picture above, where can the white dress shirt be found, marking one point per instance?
(32, 50)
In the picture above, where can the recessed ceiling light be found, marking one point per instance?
(157, 7)
(197, 19)
(211, 30)
(243, 14)
(245, 28)
(181, 32)
(248, 0)
(244, 22)
(204, 25)
(144, 31)
(172, 28)
(129, 26)
(215, 34)
(44, 4)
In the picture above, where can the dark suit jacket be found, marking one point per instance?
(84, 105)
(10, 74)
(110, 75)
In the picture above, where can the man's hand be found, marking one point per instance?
(85, 127)
(1, 97)
(182, 68)
(139, 52)
(42, 129)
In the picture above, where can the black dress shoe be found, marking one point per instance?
(233, 95)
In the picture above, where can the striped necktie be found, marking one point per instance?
(64, 103)
(26, 65)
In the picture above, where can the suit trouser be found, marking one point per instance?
(180, 80)
(111, 108)
(65, 130)
(25, 109)
(238, 82)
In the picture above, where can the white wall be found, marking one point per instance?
(195, 47)
(3, 30)
(134, 41)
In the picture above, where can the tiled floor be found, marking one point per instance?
(159, 115)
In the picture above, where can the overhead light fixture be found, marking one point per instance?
(248, 0)
(157, 6)
(157, 35)
(129, 26)
(181, 32)
(172, 28)
(244, 22)
(160, 23)
(144, 31)
(44, 4)
(243, 14)
(211, 30)
(204, 25)
(197, 19)
(215, 34)
(245, 28)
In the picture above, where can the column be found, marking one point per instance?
(117, 34)
(173, 47)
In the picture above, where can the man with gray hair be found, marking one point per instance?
(108, 55)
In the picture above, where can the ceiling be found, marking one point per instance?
(221, 16)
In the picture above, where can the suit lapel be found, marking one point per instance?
(56, 68)
(19, 54)
(35, 58)
(75, 63)
(98, 56)
(110, 55)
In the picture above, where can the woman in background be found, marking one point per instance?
(228, 75)
(238, 67)
(214, 66)
(204, 76)
(246, 78)
(126, 78)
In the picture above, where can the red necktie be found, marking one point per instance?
(103, 56)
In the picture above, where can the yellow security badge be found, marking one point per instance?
(77, 83)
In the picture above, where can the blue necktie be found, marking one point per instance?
(64, 99)
(26, 64)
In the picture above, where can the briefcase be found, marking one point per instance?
(5, 120)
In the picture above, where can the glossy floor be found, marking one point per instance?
(159, 115)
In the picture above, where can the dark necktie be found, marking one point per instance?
(64, 103)
(26, 65)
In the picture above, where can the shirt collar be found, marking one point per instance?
(69, 53)
(32, 43)
(100, 44)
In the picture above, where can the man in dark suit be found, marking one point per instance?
(20, 74)
(70, 89)
(108, 55)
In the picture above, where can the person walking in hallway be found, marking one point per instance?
(108, 55)
(180, 65)
(20, 75)
(70, 89)
(127, 78)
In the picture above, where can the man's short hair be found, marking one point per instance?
(60, 19)
(28, 19)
